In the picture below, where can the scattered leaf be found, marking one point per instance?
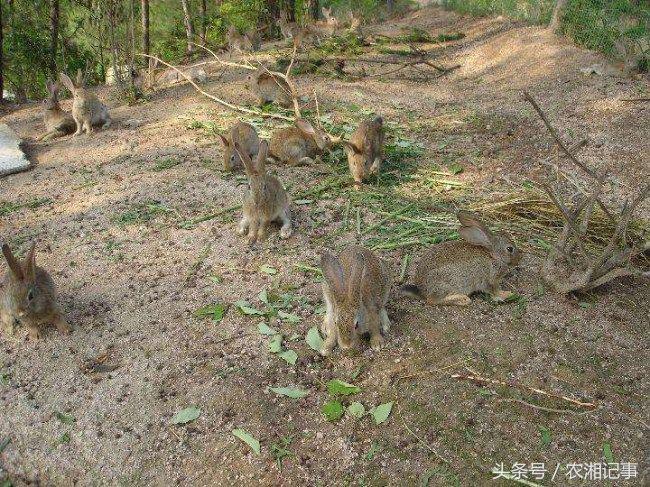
(303, 202)
(265, 329)
(275, 345)
(545, 435)
(4, 443)
(264, 296)
(356, 410)
(356, 372)
(337, 386)
(607, 453)
(380, 413)
(455, 168)
(374, 449)
(247, 438)
(267, 269)
(215, 311)
(64, 418)
(314, 339)
(186, 415)
(289, 356)
(292, 392)
(247, 309)
(64, 438)
(289, 317)
(333, 410)
(585, 305)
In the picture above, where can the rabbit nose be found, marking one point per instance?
(21, 314)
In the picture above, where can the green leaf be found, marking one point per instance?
(247, 309)
(545, 435)
(275, 345)
(289, 356)
(64, 418)
(332, 410)
(264, 296)
(291, 392)
(314, 339)
(247, 438)
(64, 438)
(607, 453)
(215, 311)
(455, 168)
(374, 449)
(289, 317)
(265, 329)
(380, 413)
(585, 305)
(356, 410)
(4, 443)
(267, 269)
(186, 415)
(337, 386)
(303, 202)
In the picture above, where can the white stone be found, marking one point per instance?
(12, 158)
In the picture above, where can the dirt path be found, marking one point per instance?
(114, 216)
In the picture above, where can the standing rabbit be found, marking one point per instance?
(448, 273)
(300, 144)
(249, 142)
(29, 296)
(269, 88)
(57, 121)
(238, 42)
(266, 201)
(87, 110)
(355, 290)
(364, 149)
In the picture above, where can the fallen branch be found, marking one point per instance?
(541, 408)
(224, 103)
(486, 381)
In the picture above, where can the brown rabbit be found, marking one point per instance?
(269, 88)
(266, 201)
(364, 149)
(324, 28)
(29, 296)
(254, 38)
(249, 142)
(300, 144)
(355, 291)
(87, 110)
(238, 42)
(57, 121)
(448, 273)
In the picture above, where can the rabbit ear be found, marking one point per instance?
(245, 158)
(352, 147)
(30, 263)
(13, 263)
(333, 273)
(262, 155)
(67, 82)
(226, 142)
(305, 126)
(474, 231)
(80, 77)
(48, 85)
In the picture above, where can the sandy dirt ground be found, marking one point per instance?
(114, 215)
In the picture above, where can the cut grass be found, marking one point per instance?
(7, 207)
(143, 213)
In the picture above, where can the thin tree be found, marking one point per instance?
(556, 18)
(189, 27)
(54, 36)
(145, 26)
(204, 22)
(2, 81)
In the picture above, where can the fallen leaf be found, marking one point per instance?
(186, 415)
(265, 329)
(289, 317)
(356, 410)
(215, 311)
(247, 309)
(607, 453)
(314, 339)
(275, 345)
(64, 418)
(380, 413)
(267, 269)
(337, 386)
(303, 202)
(455, 168)
(289, 356)
(545, 435)
(247, 438)
(332, 410)
(291, 392)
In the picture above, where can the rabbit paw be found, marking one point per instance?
(377, 341)
(501, 296)
(285, 232)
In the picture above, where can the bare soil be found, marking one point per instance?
(107, 211)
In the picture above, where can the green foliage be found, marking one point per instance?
(534, 11)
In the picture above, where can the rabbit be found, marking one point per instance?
(300, 144)
(355, 291)
(364, 149)
(87, 110)
(324, 28)
(269, 88)
(266, 201)
(249, 142)
(238, 42)
(289, 30)
(254, 38)
(170, 76)
(57, 121)
(29, 296)
(450, 272)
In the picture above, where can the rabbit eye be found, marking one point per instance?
(30, 294)
(510, 249)
(232, 158)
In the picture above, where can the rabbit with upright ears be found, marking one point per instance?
(249, 142)
(266, 201)
(29, 296)
(269, 88)
(448, 273)
(238, 42)
(87, 110)
(57, 121)
(364, 149)
(355, 290)
(300, 144)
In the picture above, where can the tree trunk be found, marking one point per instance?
(189, 28)
(2, 81)
(54, 36)
(204, 22)
(145, 26)
(314, 9)
(390, 5)
(556, 18)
